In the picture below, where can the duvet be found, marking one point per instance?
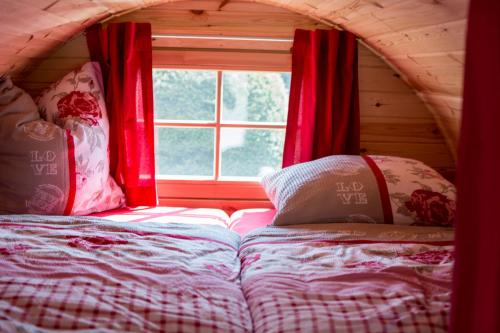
(348, 278)
(92, 275)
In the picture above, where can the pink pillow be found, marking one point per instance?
(76, 103)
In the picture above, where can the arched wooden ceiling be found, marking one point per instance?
(422, 39)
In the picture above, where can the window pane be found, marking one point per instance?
(255, 97)
(184, 95)
(250, 152)
(184, 151)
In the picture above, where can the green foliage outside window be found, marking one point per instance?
(246, 97)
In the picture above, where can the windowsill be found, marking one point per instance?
(209, 189)
(209, 179)
(228, 195)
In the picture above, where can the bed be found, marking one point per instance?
(348, 278)
(90, 274)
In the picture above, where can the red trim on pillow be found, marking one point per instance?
(382, 187)
(71, 172)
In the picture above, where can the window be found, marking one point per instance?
(218, 126)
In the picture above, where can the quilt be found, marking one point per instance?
(88, 274)
(348, 278)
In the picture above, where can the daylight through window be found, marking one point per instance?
(219, 125)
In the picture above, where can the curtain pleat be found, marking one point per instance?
(323, 114)
(124, 51)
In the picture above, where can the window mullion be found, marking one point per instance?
(217, 157)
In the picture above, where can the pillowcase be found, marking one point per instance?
(76, 103)
(35, 158)
(365, 189)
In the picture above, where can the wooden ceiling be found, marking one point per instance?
(422, 39)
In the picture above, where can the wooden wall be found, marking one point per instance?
(424, 40)
(394, 121)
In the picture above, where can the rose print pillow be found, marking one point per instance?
(76, 103)
(419, 195)
(361, 189)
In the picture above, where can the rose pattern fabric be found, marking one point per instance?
(82, 105)
(76, 103)
(375, 265)
(433, 257)
(419, 195)
(14, 249)
(91, 243)
(432, 208)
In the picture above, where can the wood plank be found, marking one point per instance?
(397, 131)
(45, 76)
(211, 189)
(366, 58)
(398, 16)
(445, 37)
(443, 74)
(231, 6)
(442, 80)
(452, 128)
(386, 104)
(431, 60)
(381, 79)
(51, 75)
(221, 23)
(452, 105)
(221, 44)
(78, 10)
(222, 60)
(58, 64)
(32, 88)
(76, 47)
(28, 56)
(433, 154)
(23, 18)
(229, 206)
(448, 116)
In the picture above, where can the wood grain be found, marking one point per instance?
(395, 28)
(394, 120)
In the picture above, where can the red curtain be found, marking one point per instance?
(323, 114)
(124, 51)
(476, 286)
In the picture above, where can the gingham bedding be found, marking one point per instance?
(94, 275)
(348, 278)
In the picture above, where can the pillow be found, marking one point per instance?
(366, 189)
(35, 158)
(76, 103)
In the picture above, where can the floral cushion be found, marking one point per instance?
(76, 103)
(419, 195)
(362, 189)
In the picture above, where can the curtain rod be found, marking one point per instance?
(215, 37)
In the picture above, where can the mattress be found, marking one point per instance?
(348, 278)
(89, 274)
